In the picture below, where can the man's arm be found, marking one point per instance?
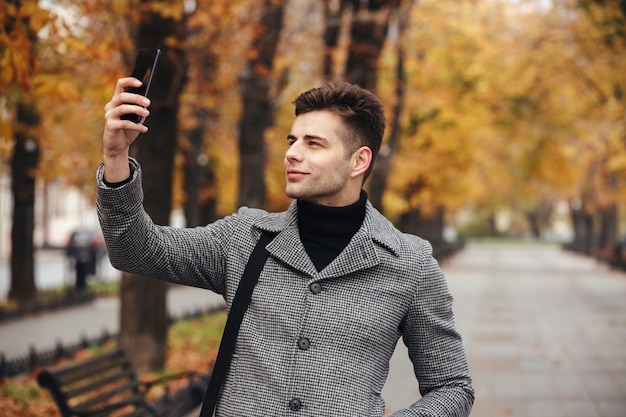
(134, 243)
(188, 256)
(120, 134)
(436, 349)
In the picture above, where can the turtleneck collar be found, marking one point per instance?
(326, 231)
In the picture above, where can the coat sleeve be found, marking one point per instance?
(435, 347)
(189, 256)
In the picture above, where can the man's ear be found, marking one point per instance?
(361, 160)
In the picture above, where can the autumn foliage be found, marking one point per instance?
(493, 105)
(507, 105)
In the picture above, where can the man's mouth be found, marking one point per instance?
(294, 174)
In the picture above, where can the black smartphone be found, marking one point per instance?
(145, 68)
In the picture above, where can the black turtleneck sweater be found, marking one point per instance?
(326, 231)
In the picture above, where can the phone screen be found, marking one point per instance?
(145, 68)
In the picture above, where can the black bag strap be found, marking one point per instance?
(231, 330)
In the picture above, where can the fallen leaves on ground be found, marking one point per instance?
(192, 346)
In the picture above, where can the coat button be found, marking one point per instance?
(304, 343)
(315, 288)
(295, 404)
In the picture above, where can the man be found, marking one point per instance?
(341, 284)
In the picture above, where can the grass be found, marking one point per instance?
(192, 346)
(510, 240)
(56, 295)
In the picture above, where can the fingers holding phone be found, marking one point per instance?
(146, 64)
(129, 105)
(117, 130)
(119, 134)
(125, 112)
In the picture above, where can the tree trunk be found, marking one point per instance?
(23, 165)
(367, 37)
(199, 184)
(143, 318)
(409, 221)
(208, 195)
(383, 163)
(539, 217)
(332, 21)
(589, 236)
(192, 160)
(578, 226)
(258, 110)
(429, 228)
(201, 92)
(609, 226)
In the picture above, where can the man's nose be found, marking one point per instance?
(293, 152)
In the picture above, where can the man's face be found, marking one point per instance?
(317, 166)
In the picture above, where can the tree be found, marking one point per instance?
(600, 66)
(258, 109)
(384, 160)
(369, 24)
(143, 318)
(207, 108)
(21, 20)
(23, 165)
(370, 21)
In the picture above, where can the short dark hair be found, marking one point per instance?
(361, 110)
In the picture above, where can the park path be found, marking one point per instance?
(544, 331)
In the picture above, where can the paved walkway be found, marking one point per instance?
(545, 332)
(68, 326)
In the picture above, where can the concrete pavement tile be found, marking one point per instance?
(538, 385)
(489, 363)
(498, 407)
(481, 382)
(545, 408)
(602, 386)
(620, 379)
(534, 364)
(508, 385)
(481, 408)
(612, 408)
(569, 386)
(579, 408)
(508, 407)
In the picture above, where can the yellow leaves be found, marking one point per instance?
(64, 89)
(20, 25)
(122, 6)
(17, 62)
(503, 103)
(168, 9)
(616, 164)
(6, 140)
(37, 17)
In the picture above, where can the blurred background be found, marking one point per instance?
(505, 118)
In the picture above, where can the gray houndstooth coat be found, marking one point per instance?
(312, 343)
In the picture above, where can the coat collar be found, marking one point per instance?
(358, 255)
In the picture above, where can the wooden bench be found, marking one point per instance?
(108, 384)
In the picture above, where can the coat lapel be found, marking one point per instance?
(360, 253)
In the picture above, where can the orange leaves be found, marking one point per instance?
(505, 105)
(17, 65)
(168, 9)
(64, 89)
(20, 27)
(192, 346)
